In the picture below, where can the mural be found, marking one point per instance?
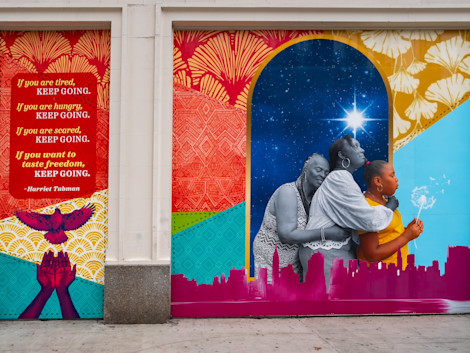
(251, 106)
(54, 108)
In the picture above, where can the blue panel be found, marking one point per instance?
(437, 161)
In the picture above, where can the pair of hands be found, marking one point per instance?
(55, 272)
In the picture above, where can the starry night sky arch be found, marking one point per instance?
(347, 45)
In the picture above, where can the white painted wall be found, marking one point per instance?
(141, 83)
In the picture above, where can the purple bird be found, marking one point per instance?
(57, 223)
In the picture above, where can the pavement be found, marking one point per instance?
(382, 334)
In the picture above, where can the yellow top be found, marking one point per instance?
(393, 231)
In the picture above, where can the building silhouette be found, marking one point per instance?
(359, 288)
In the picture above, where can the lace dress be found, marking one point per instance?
(267, 239)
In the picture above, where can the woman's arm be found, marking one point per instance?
(370, 250)
(341, 202)
(64, 277)
(45, 277)
(285, 211)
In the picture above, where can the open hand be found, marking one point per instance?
(46, 271)
(64, 275)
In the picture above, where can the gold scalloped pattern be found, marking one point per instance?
(86, 246)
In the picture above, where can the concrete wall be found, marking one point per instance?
(141, 109)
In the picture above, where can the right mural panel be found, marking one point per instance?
(280, 206)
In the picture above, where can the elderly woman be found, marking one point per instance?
(340, 201)
(286, 216)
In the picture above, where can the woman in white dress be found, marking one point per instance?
(339, 201)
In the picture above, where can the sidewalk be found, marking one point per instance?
(381, 334)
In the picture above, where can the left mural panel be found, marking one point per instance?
(54, 113)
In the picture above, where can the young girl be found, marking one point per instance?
(383, 245)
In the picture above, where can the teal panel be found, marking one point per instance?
(18, 287)
(436, 162)
(211, 247)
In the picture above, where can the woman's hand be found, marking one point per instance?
(392, 203)
(336, 233)
(45, 272)
(64, 274)
(414, 229)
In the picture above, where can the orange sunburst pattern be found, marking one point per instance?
(276, 38)
(226, 63)
(71, 64)
(221, 64)
(86, 246)
(40, 48)
(3, 46)
(96, 47)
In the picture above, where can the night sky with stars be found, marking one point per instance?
(299, 106)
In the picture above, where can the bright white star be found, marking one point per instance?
(354, 119)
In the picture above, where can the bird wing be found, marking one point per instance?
(35, 220)
(77, 218)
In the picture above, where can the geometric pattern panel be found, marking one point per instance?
(209, 153)
(180, 221)
(19, 287)
(86, 245)
(211, 247)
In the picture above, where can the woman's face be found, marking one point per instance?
(355, 154)
(316, 171)
(389, 180)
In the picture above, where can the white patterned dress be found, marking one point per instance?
(268, 238)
